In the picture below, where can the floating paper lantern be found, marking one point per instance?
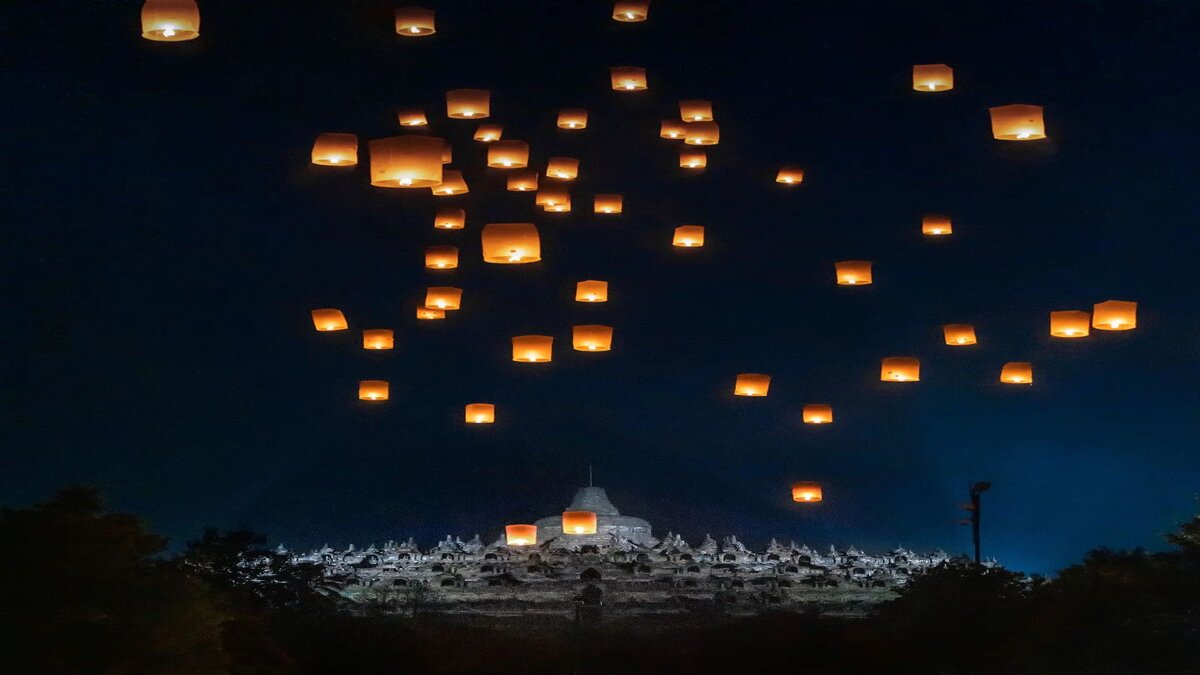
(441, 257)
(489, 133)
(631, 11)
(450, 218)
(511, 243)
(1114, 315)
(415, 21)
(480, 413)
(818, 413)
(562, 168)
(170, 20)
(578, 522)
(335, 150)
(509, 155)
(452, 184)
(628, 78)
(591, 291)
(853, 272)
(693, 159)
(522, 181)
(532, 348)
(672, 129)
(790, 175)
(551, 195)
(468, 104)
(378, 338)
(563, 206)
(592, 338)
(426, 314)
(751, 384)
(900, 369)
(327, 320)
(406, 161)
(373, 390)
(936, 226)
(702, 133)
(806, 493)
(1017, 372)
(1070, 323)
(572, 118)
(695, 111)
(520, 535)
(608, 203)
(1017, 122)
(412, 117)
(933, 77)
(688, 236)
(443, 297)
(959, 334)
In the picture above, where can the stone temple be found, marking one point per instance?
(620, 571)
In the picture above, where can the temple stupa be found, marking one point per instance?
(611, 526)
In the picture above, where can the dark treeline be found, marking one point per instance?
(84, 590)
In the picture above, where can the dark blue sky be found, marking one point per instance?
(165, 238)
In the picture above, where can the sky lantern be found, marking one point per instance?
(560, 206)
(414, 22)
(688, 236)
(480, 413)
(452, 184)
(443, 297)
(806, 493)
(468, 104)
(1018, 122)
(572, 118)
(326, 320)
(373, 390)
(695, 110)
(628, 78)
(426, 314)
(406, 161)
(608, 203)
(509, 155)
(630, 11)
(673, 129)
(378, 339)
(1070, 323)
(591, 338)
(958, 334)
(1017, 372)
(489, 133)
(522, 181)
(693, 159)
(532, 348)
(702, 133)
(591, 291)
(818, 413)
(450, 218)
(900, 369)
(933, 77)
(751, 384)
(853, 272)
(520, 535)
(562, 168)
(936, 226)
(412, 117)
(441, 257)
(550, 195)
(511, 243)
(1114, 315)
(332, 149)
(578, 522)
(170, 20)
(790, 175)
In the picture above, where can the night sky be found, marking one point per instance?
(165, 238)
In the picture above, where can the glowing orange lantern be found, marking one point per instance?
(936, 226)
(806, 493)
(511, 243)
(608, 203)
(751, 384)
(373, 390)
(532, 348)
(414, 21)
(591, 291)
(578, 522)
(520, 535)
(443, 297)
(327, 320)
(426, 314)
(1070, 323)
(688, 236)
(562, 168)
(452, 184)
(450, 218)
(592, 338)
(1017, 122)
(1114, 315)
(468, 104)
(441, 257)
(412, 117)
(563, 206)
(628, 78)
(522, 181)
(572, 118)
(818, 413)
(853, 272)
(702, 133)
(933, 77)
(335, 150)
(551, 195)
(489, 133)
(959, 334)
(1017, 372)
(480, 413)
(672, 129)
(631, 11)
(406, 161)
(170, 20)
(900, 369)
(790, 175)
(693, 159)
(696, 111)
(378, 338)
(509, 155)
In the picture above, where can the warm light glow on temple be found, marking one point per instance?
(751, 384)
(326, 320)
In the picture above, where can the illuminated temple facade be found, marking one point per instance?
(621, 570)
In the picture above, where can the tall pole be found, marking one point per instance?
(977, 489)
